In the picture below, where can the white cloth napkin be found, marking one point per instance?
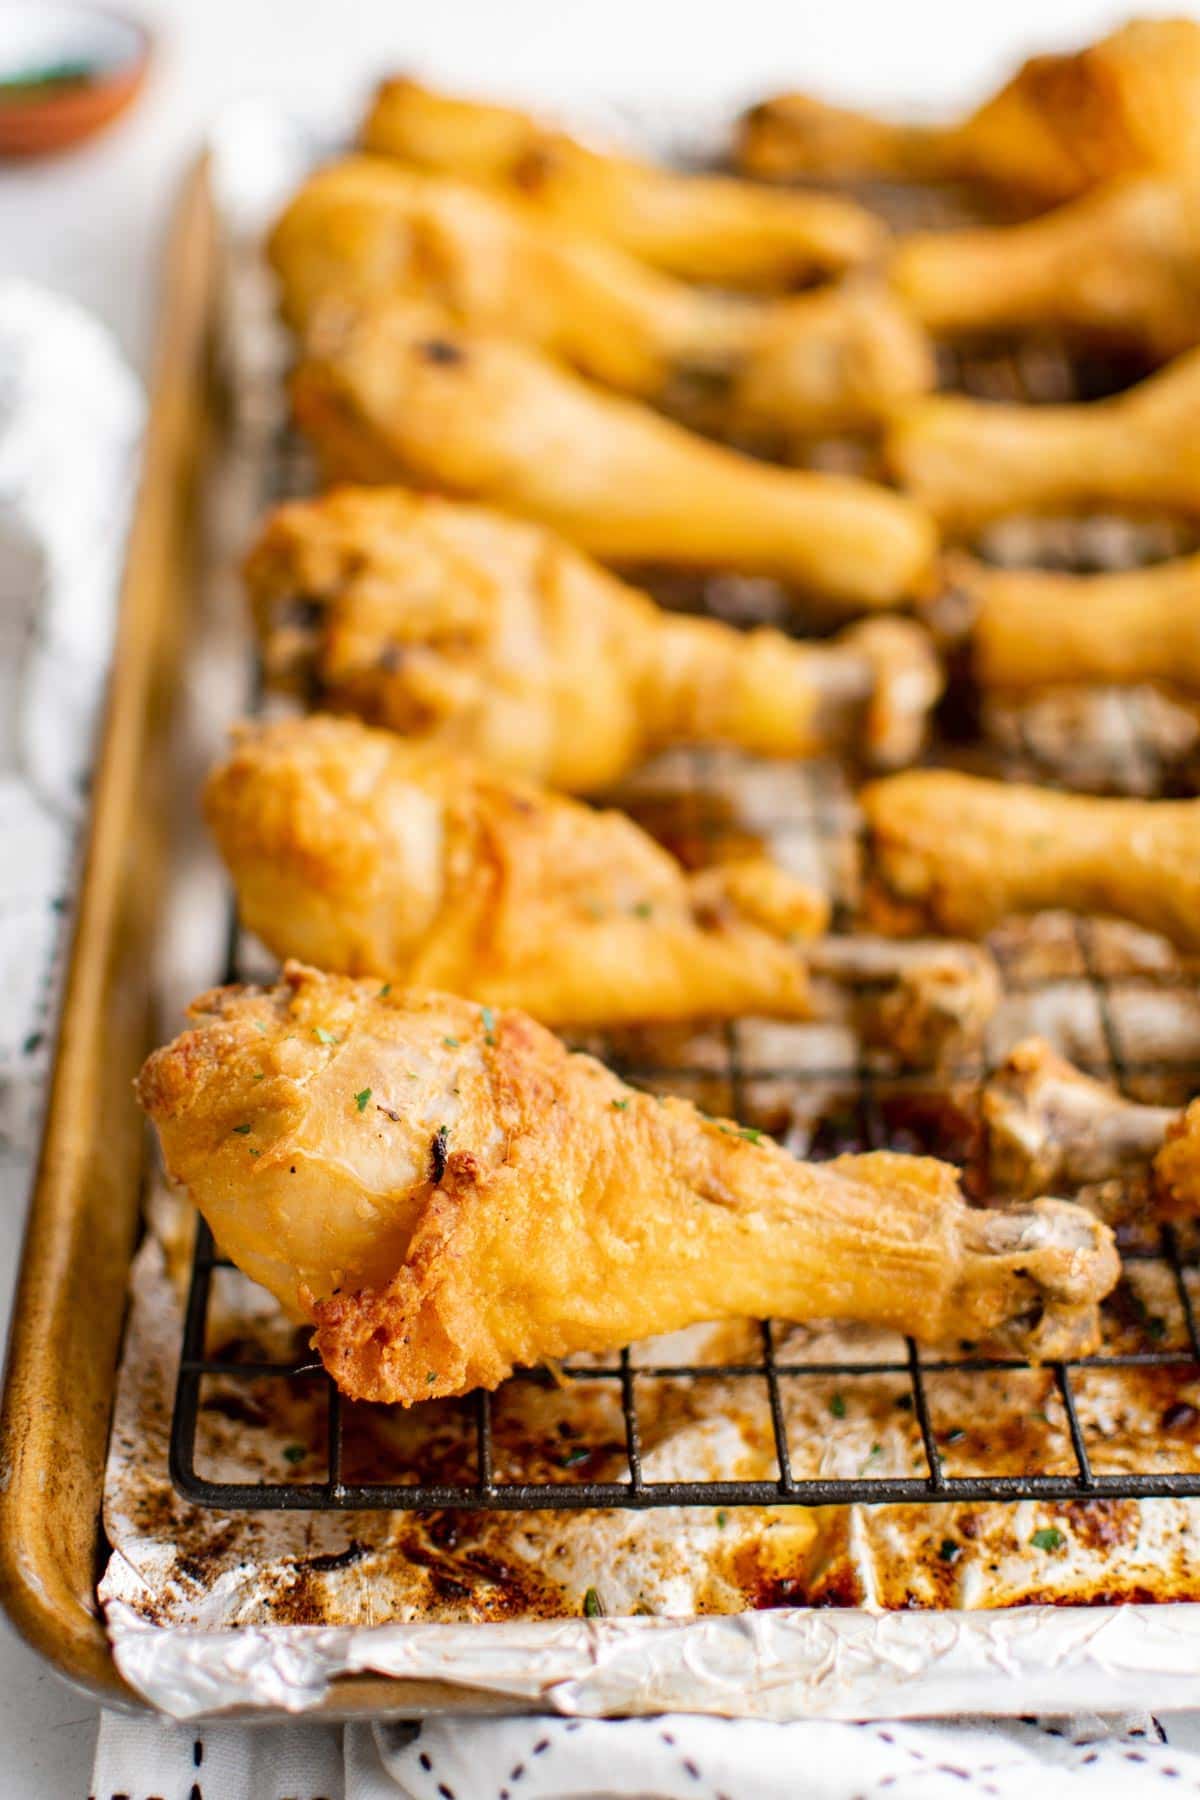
(674, 1757)
(70, 423)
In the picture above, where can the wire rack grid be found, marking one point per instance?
(818, 805)
(731, 1059)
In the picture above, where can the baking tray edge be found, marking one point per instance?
(83, 1213)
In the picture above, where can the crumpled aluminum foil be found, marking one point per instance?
(780, 1665)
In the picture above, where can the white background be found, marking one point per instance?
(91, 224)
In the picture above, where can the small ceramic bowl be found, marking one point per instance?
(66, 70)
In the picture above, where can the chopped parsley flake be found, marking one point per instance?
(431, 1377)
(722, 1519)
(450, 1043)
(642, 910)
(261, 1076)
(242, 1130)
(322, 1036)
(385, 990)
(750, 1134)
(955, 1435)
(489, 1025)
(837, 1407)
(618, 1105)
(1048, 1537)
(574, 1457)
(949, 1551)
(361, 1098)
(260, 1028)
(294, 1453)
(593, 1606)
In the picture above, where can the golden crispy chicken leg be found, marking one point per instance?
(448, 621)
(1127, 104)
(707, 228)
(795, 136)
(393, 392)
(1045, 1125)
(927, 1003)
(1177, 1166)
(365, 853)
(959, 853)
(368, 227)
(1050, 1127)
(778, 370)
(449, 1194)
(837, 360)
(1029, 628)
(1121, 265)
(969, 461)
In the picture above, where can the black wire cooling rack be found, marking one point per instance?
(818, 811)
(866, 1125)
(486, 1493)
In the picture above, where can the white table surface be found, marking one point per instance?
(90, 225)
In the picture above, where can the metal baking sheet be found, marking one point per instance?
(210, 1612)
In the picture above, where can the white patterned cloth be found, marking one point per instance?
(674, 1757)
(71, 418)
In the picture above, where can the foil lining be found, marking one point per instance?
(771, 1612)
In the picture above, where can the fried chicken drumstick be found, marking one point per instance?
(393, 392)
(363, 852)
(449, 1193)
(773, 370)
(1032, 628)
(448, 621)
(959, 853)
(706, 228)
(928, 1003)
(366, 853)
(1127, 104)
(969, 461)
(1050, 1127)
(1120, 266)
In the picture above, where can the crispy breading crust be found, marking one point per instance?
(1121, 266)
(969, 461)
(703, 228)
(775, 370)
(366, 853)
(440, 619)
(1038, 628)
(959, 853)
(518, 1202)
(395, 391)
(1062, 123)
